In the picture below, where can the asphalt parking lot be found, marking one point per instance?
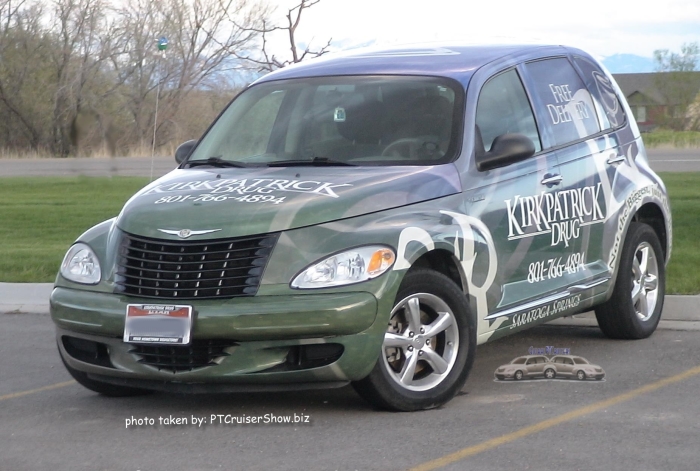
(643, 416)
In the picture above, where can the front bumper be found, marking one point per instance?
(265, 336)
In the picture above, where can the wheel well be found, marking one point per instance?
(651, 214)
(443, 262)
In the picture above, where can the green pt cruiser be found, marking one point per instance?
(370, 218)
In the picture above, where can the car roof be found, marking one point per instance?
(529, 356)
(454, 61)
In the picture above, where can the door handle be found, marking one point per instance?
(616, 159)
(552, 179)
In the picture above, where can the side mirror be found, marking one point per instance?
(506, 149)
(184, 150)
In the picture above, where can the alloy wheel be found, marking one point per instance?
(421, 344)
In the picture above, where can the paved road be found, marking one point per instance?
(492, 425)
(674, 160)
(117, 166)
(661, 160)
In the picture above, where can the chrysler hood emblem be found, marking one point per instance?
(185, 233)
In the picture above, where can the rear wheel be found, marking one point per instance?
(549, 373)
(428, 347)
(634, 310)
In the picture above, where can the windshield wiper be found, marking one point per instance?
(315, 162)
(215, 162)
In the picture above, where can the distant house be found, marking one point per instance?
(656, 97)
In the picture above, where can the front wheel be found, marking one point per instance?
(428, 347)
(581, 375)
(549, 373)
(634, 310)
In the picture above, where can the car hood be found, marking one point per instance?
(234, 202)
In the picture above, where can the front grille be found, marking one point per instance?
(218, 268)
(175, 358)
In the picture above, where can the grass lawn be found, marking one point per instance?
(683, 275)
(661, 137)
(41, 217)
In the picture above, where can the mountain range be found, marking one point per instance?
(628, 64)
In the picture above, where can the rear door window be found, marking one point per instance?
(503, 108)
(565, 107)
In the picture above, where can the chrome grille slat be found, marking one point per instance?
(206, 252)
(193, 262)
(155, 268)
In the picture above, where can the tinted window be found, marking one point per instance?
(608, 106)
(580, 361)
(519, 361)
(503, 108)
(567, 106)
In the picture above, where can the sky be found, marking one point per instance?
(601, 27)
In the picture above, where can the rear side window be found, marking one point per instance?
(608, 106)
(566, 105)
(503, 108)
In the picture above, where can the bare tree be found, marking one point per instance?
(75, 74)
(84, 45)
(24, 54)
(200, 38)
(266, 61)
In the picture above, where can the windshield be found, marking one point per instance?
(354, 120)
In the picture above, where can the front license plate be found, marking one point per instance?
(158, 324)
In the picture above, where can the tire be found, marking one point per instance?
(106, 389)
(550, 373)
(581, 375)
(518, 375)
(407, 375)
(634, 310)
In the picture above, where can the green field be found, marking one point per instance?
(664, 137)
(41, 217)
(683, 276)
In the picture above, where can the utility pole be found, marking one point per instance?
(162, 46)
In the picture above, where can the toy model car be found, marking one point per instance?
(370, 218)
(530, 366)
(570, 366)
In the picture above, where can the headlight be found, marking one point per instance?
(351, 266)
(81, 265)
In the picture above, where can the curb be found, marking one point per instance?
(21, 298)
